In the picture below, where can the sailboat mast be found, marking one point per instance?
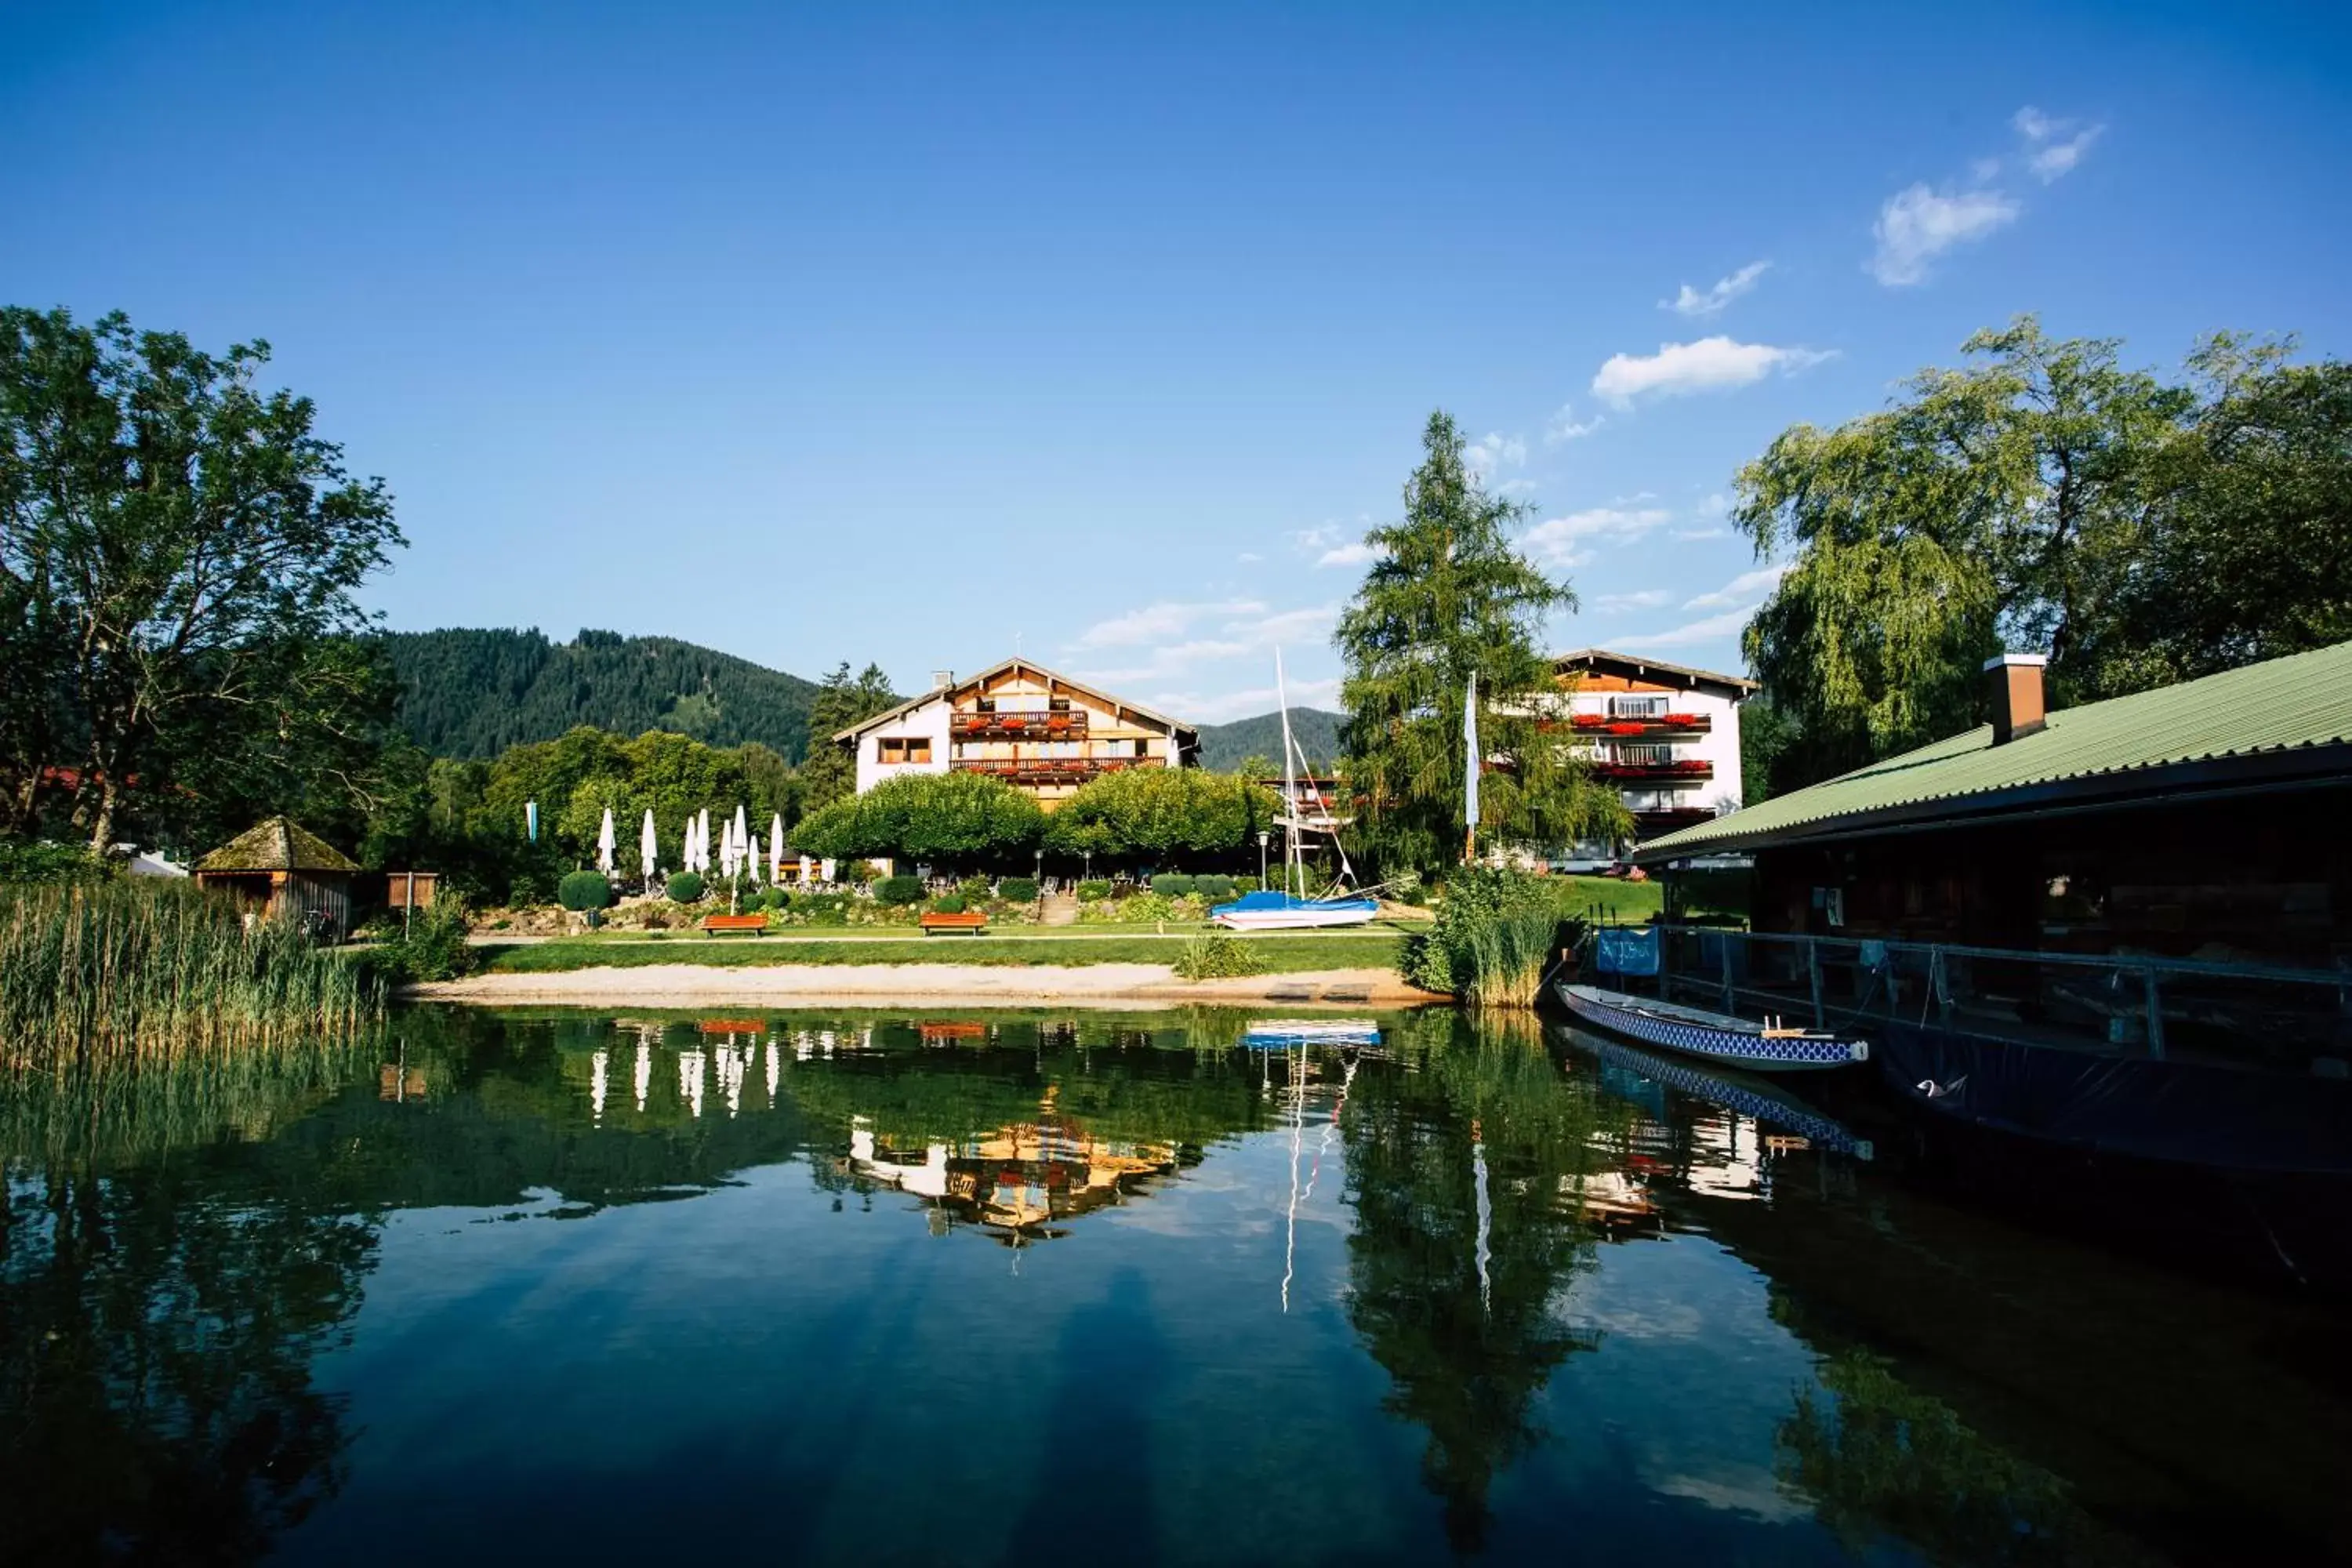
(1289, 788)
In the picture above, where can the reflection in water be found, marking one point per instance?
(1464, 1213)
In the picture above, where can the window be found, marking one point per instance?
(898, 749)
(1636, 707)
(1057, 705)
(1645, 756)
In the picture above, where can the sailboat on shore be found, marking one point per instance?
(1291, 908)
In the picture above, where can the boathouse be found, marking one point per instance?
(2203, 820)
(1037, 730)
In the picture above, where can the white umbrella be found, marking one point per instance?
(702, 840)
(648, 846)
(776, 847)
(726, 848)
(604, 842)
(742, 838)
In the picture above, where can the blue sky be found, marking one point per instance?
(915, 334)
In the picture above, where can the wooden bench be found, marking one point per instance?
(972, 920)
(713, 924)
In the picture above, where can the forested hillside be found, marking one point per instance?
(473, 693)
(1223, 746)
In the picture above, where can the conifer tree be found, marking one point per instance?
(1450, 594)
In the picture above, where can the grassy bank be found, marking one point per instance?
(1283, 954)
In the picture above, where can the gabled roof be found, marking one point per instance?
(279, 844)
(1641, 668)
(1006, 667)
(2285, 718)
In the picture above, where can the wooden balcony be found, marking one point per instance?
(1035, 771)
(1025, 726)
(1677, 773)
(1665, 726)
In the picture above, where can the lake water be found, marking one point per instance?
(857, 1288)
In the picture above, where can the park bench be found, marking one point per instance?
(753, 924)
(971, 920)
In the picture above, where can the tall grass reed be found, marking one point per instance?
(150, 969)
(1495, 934)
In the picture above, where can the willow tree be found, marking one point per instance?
(1982, 510)
(1450, 596)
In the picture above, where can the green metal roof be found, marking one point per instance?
(2280, 706)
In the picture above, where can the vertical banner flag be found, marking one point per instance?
(1470, 767)
(530, 819)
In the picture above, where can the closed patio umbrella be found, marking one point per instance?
(702, 840)
(648, 846)
(604, 842)
(776, 847)
(742, 837)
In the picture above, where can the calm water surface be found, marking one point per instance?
(998, 1286)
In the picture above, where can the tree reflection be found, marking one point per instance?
(1470, 1333)
(156, 1335)
(1880, 1458)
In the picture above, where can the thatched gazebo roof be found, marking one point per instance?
(280, 844)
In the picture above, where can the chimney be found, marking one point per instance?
(943, 678)
(2017, 708)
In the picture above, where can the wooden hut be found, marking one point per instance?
(280, 866)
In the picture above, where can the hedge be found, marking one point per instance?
(896, 890)
(1018, 890)
(684, 888)
(1172, 885)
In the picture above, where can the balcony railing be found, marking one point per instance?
(1602, 724)
(1021, 726)
(1690, 771)
(1051, 770)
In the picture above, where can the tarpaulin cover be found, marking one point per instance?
(1625, 950)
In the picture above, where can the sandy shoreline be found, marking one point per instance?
(1094, 984)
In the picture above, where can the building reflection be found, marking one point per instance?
(1020, 1183)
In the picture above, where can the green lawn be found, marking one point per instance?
(1614, 899)
(1288, 953)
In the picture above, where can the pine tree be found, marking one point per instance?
(830, 771)
(1449, 595)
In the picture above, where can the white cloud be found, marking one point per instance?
(1564, 426)
(1516, 487)
(1361, 554)
(1709, 364)
(1643, 599)
(1726, 624)
(1492, 451)
(1918, 224)
(1247, 556)
(2055, 146)
(1695, 302)
(1701, 534)
(1556, 540)
(1218, 708)
(1746, 586)
(1155, 623)
(1714, 505)
(1236, 629)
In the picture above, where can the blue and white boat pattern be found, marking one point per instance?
(1716, 1036)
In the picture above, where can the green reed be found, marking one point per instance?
(157, 968)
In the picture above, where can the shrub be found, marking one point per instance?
(1218, 955)
(25, 861)
(434, 947)
(823, 908)
(1171, 885)
(1495, 932)
(1093, 890)
(973, 890)
(1018, 890)
(1216, 890)
(582, 890)
(684, 888)
(858, 873)
(952, 904)
(899, 890)
(775, 899)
